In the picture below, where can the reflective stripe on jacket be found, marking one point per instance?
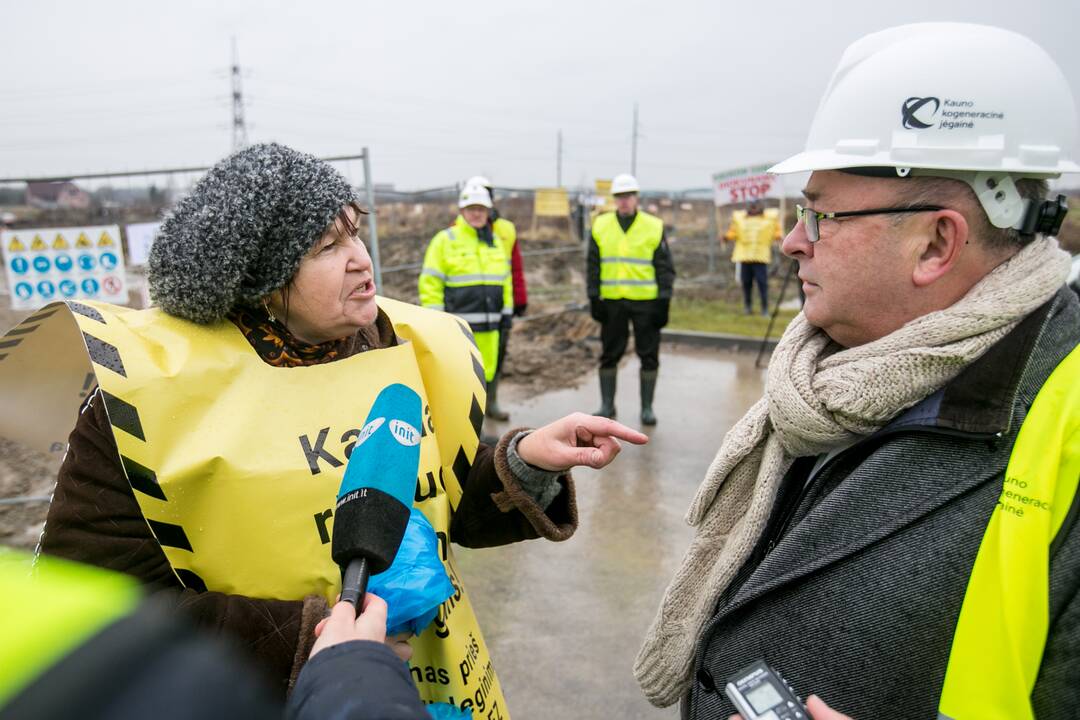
(626, 258)
(1002, 630)
(467, 277)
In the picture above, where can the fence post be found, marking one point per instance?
(372, 229)
(713, 237)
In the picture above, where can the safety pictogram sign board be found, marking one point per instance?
(48, 264)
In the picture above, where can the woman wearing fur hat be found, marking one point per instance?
(207, 461)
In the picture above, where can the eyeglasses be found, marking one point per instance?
(812, 218)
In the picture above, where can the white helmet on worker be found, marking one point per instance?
(474, 195)
(969, 102)
(479, 180)
(624, 183)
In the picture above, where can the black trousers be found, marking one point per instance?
(504, 338)
(755, 273)
(615, 333)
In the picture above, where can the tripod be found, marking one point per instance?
(776, 311)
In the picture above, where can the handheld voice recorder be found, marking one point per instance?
(760, 693)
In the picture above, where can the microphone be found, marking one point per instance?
(377, 490)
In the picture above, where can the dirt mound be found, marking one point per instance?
(551, 351)
(24, 473)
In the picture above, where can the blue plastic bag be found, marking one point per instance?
(416, 583)
(446, 711)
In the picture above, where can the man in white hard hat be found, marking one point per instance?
(507, 233)
(466, 272)
(629, 276)
(894, 525)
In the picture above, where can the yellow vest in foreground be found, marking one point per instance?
(1004, 620)
(236, 464)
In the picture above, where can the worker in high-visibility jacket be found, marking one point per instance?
(467, 272)
(754, 232)
(629, 278)
(508, 234)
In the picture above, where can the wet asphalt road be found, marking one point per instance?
(564, 620)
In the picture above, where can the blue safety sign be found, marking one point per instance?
(78, 262)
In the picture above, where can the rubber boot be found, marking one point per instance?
(607, 392)
(493, 410)
(648, 389)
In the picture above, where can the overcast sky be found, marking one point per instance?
(443, 90)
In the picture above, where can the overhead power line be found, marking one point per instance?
(239, 139)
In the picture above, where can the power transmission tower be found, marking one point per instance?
(633, 146)
(239, 129)
(558, 161)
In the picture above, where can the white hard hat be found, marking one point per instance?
(474, 195)
(624, 183)
(478, 180)
(972, 102)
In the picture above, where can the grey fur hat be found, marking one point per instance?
(243, 231)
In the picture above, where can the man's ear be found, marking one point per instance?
(944, 242)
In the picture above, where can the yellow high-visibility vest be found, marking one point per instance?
(49, 609)
(753, 236)
(1004, 620)
(626, 258)
(506, 232)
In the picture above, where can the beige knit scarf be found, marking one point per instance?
(818, 397)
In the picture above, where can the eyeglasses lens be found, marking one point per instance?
(810, 222)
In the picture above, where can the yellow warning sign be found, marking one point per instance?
(60, 242)
(83, 241)
(16, 244)
(105, 240)
(603, 191)
(38, 244)
(551, 202)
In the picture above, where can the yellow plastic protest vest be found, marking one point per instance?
(236, 463)
(626, 258)
(1001, 632)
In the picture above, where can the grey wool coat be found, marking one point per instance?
(854, 589)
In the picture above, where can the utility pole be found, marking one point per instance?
(633, 146)
(239, 134)
(558, 160)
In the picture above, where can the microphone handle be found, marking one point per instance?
(354, 582)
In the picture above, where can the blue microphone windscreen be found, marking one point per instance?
(387, 451)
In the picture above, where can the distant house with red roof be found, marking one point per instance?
(50, 195)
